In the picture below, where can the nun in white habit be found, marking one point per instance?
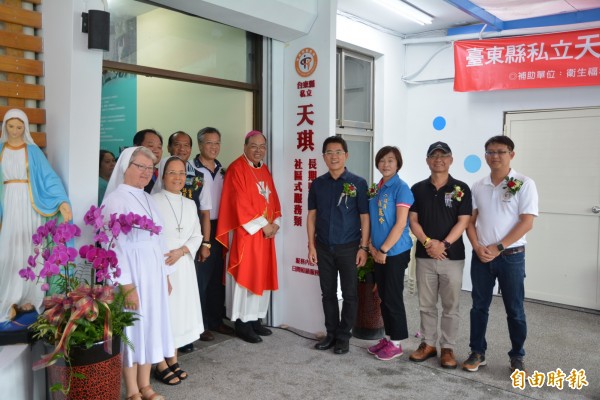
(144, 273)
(182, 233)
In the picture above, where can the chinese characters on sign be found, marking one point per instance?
(537, 61)
(575, 380)
(306, 268)
(304, 163)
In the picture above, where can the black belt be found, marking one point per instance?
(514, 250)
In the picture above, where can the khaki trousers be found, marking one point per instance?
(441, 278)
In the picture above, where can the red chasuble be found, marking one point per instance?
(249, 193)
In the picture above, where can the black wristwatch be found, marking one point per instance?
(383, 252)
(500, 247)
(447, 244)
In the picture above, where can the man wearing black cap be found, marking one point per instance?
(438, 218)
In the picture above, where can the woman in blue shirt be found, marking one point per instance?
(390, 247)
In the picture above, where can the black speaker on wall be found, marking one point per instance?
(96, 24)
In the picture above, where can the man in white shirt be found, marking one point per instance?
(505, 204)
(210, 270)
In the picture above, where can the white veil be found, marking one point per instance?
(20, 115)
(118, 175)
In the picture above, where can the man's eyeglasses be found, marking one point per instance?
(254, 147)
(176, 173)
(436, 156)
(330, 153)
(496, 153)
(143, 168)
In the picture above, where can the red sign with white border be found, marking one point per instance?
(527, 62)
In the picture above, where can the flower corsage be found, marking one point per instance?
(456, 194)
(197, 183)
(349, 190)
(372, 191)
(512, 185)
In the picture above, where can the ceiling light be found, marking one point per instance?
(407, 11)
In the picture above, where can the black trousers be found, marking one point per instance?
(210, 283)
(333, 260)
(390, 286)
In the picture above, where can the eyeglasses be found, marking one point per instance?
(496, 153)
(438, 156)
(143, 168)
(175, 173)
(254, 147)
(330, 153)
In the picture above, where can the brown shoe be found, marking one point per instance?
(207, 336)
(424, 352)
(447, 359)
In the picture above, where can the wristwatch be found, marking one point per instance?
(447, 244)
(206, 244)
(500, 247)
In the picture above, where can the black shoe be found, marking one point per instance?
(259, 329)
(244, 331)
(224, 329)
(188, 348)
(341, 346)
(517, 363)
(326, 343)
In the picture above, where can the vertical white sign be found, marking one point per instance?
(308, 118)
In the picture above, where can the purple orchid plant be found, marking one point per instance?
(93, 310)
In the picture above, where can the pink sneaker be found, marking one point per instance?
(389, 352)
(376, 348)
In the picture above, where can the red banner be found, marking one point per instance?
(526, 62)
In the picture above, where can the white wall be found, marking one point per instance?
(472, 118)
(389, 99)
(73, 94)
(404, 113)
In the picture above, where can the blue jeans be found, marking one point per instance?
(510, 272)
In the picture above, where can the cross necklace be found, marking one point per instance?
(149, 210)
(179, 228)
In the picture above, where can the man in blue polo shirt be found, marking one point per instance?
(438, 218)
(338, 234)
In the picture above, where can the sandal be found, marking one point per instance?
(181, 374)
(153, 396)
(166, 376)
(135, 396)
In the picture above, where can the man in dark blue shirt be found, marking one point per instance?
(338, 234)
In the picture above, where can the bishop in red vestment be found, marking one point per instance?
(251, 212)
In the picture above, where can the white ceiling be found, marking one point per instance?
(446, 15)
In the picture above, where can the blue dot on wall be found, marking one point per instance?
(472, 163)
(439, 123)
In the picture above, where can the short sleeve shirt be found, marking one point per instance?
(214, 180)
(498, 210)
(338, 215)
(194, 188)
(382, 212)
(438, 212)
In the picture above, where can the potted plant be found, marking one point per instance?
(369, 322)
(84, 320)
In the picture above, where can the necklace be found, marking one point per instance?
(179, 228)
(149, 210)
(263, 188)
